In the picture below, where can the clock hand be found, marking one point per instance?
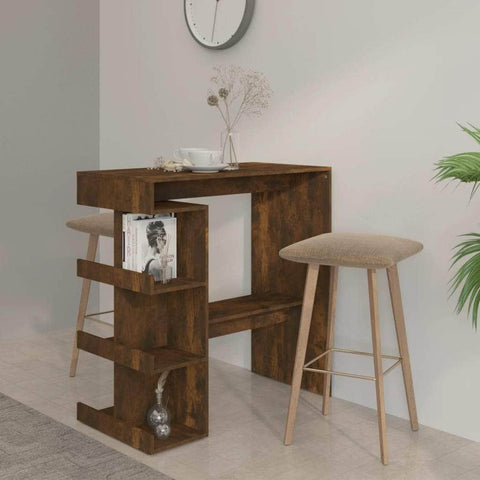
(214, 20)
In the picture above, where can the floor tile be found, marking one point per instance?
(247, 421)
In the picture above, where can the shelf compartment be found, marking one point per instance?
(155, 360)
(250, 312)
(149, 362)
(134, 281)
(137, 436)
(103, 347)
(177, 207)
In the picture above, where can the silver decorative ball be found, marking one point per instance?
(162, 430)
(157, 415)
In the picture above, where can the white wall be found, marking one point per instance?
(372, 88)
(49, 60)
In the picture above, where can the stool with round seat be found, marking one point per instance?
(94, 225)
(358, 250)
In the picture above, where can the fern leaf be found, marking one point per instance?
(466, 280)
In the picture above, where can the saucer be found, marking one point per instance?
(206, 168)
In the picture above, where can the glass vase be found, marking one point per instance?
(230, 141)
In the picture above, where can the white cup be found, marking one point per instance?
(200, 157)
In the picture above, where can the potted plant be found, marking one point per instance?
(465, 168)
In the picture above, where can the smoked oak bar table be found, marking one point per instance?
(166, 327)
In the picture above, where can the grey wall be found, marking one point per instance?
(49, 103)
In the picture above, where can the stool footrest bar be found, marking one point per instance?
(352, 375)
(368, 354)
(342, 374)
(388, 370)
(354, 352)
(97, 320)
(90, 315)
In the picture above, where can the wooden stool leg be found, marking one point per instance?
(332, 304)
(305, 320)
(377, 359)
(82, 308)
(396, 297)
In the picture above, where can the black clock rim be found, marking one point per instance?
(241, 30)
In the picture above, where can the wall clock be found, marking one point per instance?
(218, 24)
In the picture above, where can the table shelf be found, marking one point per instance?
(139, 436)
(130, 280)
(149, 362)
(250, 312)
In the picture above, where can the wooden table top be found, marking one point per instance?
(250, 169)
(137, 189)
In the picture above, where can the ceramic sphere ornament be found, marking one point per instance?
(218, 24)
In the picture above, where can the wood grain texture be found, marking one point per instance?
(149, 362)
(165, 328)
(280, 218)
(289, 203)
(176, 319)
(250, 312)
(103, 347)
(130, 280)
(138, 436)
(105, 188)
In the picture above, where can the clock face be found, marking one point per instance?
(218, 24)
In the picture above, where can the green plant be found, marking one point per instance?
(465, 168)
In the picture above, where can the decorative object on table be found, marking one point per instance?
(150, 244)
(168, 165)
(207, 169)
(238, 92)
(200, 160)
(465, 167)
(158, 417)
(218, 24)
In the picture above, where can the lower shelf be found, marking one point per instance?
(140, 437)
(250, 312)
(149, 362)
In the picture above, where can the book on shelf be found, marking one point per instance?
(150, 244)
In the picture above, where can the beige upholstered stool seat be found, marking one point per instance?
(99, 224)
(361, 250)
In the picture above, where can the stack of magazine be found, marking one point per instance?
(149, 241)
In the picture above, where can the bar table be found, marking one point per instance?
(166, 327)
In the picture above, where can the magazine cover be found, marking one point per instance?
(156, 242)
(132, 260)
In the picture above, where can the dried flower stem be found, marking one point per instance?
(160, 386)
(248, 90)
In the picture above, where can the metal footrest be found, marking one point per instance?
(91, 316)
(351, 375)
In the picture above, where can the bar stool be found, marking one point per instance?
(360, 250)
(94, 225)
